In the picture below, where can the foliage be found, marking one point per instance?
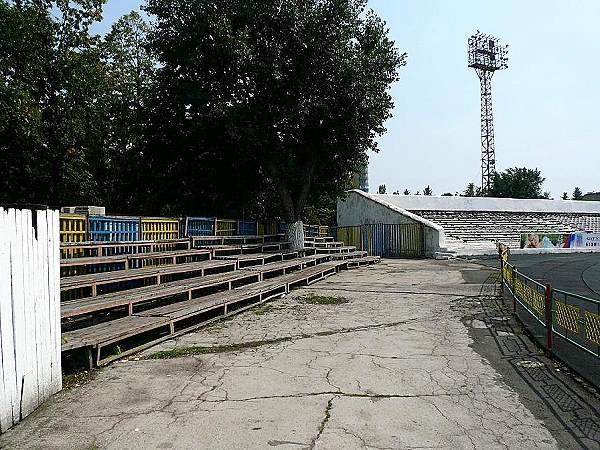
(249, 109)
(130, 74)
(518, 183)
(296, 91)
(577, 194)
(51, 76)
(427, 191)
(472, 191)
(565, 196)
(382, 189)
(447, 194)
(406, 192)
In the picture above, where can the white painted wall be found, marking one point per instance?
(436, 203)
(360, 208)
(30, 367)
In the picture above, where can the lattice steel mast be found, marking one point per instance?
(486, 56)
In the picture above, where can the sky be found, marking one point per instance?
(546, 104)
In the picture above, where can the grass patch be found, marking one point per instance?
(262, 310)
(314, 299)
(74, 380)
(190, 351)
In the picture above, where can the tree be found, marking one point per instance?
(470, 191)
(577, 194)
(565, 196)
(406, 192)
(417, 193)
(382, 189)
(130, 75)
(396, 193)
(297, 89)
(427, 191)
(51, 119)
(517, 183)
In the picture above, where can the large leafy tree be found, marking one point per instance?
(130, 72)
(51, 80)
(518, 183)
(291, 93)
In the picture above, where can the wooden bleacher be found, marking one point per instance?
(118, 306)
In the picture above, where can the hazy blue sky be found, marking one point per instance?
(546, 105)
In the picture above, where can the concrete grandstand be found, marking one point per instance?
(470, 225)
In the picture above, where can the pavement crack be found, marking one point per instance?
(323, 424)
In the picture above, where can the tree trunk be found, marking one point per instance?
(295, 235)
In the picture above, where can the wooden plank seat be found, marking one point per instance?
(144, 329)
(81, 266)
(266, 247)
(94, 264)
(324, 244)
(231, 249)
(259, 259)
(198, 241)
(351, 255)
(343, 249)
(131, 297)
(109, 248)
(269, 270)
(153, 275)
(318, 239)
(165, 322)
(359, 262)
(308, 275)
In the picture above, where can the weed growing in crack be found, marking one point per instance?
(262, 310)
(314, 299)
(190, 351)
(77, 379)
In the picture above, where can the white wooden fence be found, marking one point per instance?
(30, 369)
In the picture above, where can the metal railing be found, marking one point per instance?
(567, 324)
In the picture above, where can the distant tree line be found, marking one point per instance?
(515, 182)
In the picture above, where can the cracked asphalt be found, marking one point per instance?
(408, 362)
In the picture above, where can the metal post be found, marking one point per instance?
(501, 273)
(549, 315)
(514, 295)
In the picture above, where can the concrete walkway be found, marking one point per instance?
(394, 366)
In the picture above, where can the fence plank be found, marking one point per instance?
(8, 383)
(29, 312)
(53, 224)
(6, 329)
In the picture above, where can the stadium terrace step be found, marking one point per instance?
(88, 249)
(318, 239)
(324, 244)
(355, 263)
(97, 283)
(198, 241)
(141, 330)
(480, 228)
(344, 249)
(189, 287)
(283, 267)
(256, 259)
(237, 249)
(351, 255)
(95, 264)
(306, 276)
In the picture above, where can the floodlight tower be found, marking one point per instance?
(486, 56)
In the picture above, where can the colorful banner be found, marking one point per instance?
(557, 240)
